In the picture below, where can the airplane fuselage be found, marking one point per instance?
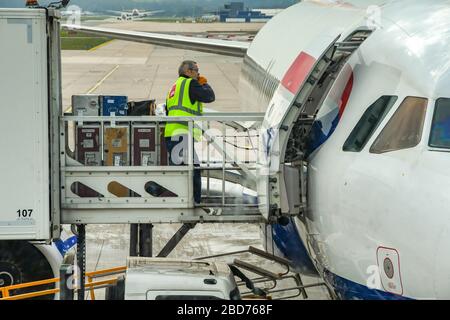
(377, 223)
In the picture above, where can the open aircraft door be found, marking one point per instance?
(278, 181)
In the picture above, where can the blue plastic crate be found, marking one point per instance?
(116, 104)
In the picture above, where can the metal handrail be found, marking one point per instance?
(228, 169)
(225, 117)
(101, 273)
(31, 295)
(265, 276)
(89, 286)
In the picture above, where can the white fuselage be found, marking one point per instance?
(367, 210)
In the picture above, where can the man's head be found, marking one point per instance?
(189, 69)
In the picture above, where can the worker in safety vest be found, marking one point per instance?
(186, 98)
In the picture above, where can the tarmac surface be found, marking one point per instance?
(142, 72)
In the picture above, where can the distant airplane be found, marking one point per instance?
(70, 12)
(210, 18)
(134, 14)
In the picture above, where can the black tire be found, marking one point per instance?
(22, 262)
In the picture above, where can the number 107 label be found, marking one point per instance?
(24, 213)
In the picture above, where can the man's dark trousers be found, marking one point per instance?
(177, 147)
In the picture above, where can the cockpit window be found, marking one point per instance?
(404, 129)
(368, 123)
(440, 129)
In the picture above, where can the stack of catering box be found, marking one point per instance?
(122, 144)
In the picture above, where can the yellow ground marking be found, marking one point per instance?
(100, 45)
(98, 84)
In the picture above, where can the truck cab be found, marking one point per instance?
(169, 279)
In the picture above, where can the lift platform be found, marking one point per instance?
(116, 191)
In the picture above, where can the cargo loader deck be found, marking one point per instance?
(114, 191)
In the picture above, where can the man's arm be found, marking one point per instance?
(203, 93)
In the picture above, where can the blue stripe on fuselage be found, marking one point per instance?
(289, 243)
(290, 246)
(321, 131)
(349, 290)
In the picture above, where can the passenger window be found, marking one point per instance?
(368, 123)
(440, 129)
(404, 129)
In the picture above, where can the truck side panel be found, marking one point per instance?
(24, 142)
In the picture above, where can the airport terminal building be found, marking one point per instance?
(235, 12)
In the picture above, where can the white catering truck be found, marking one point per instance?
(30, 91)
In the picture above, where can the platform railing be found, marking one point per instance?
(102, 174)
(91, 285)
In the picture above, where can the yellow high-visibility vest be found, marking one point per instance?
(179, 105)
